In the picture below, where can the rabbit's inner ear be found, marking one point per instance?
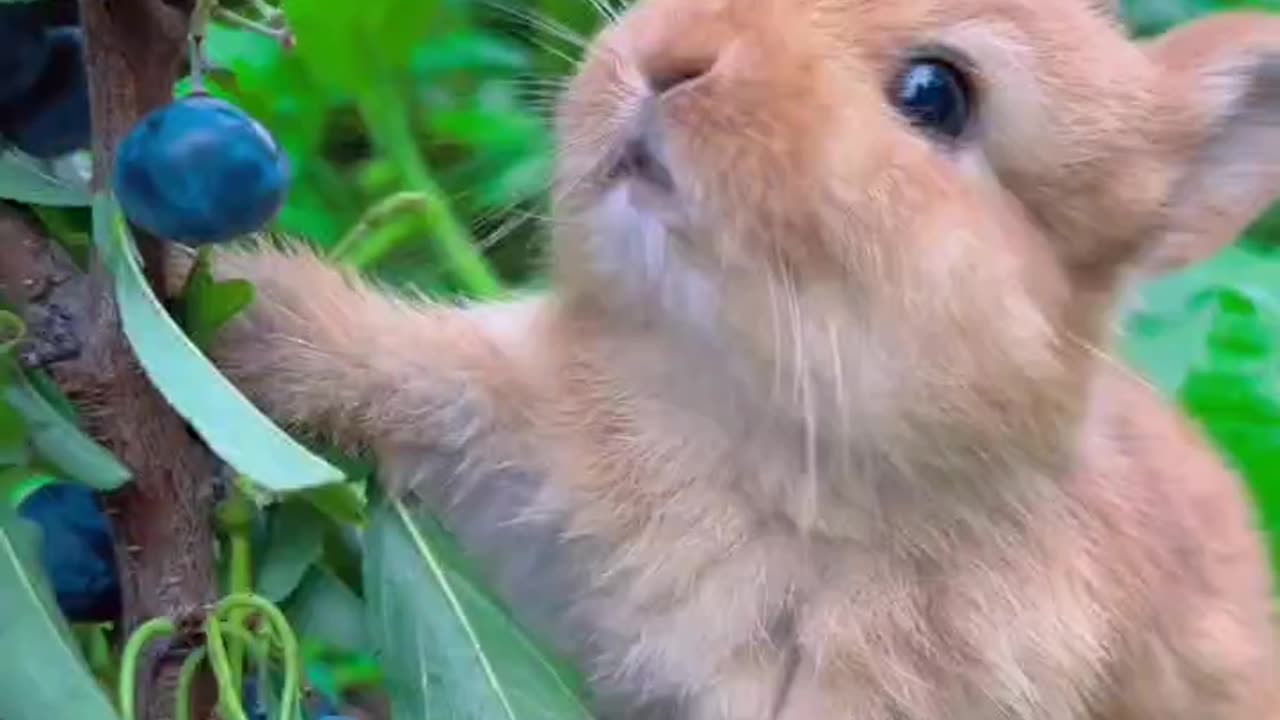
(1225, 84)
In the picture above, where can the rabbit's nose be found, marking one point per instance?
(668, 76)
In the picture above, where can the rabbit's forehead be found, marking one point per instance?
(1069, 35)
(1051, 24)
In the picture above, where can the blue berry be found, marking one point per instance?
(24, 49)
(251, 700)
(77, 553)
(200, 170)
(52, 117)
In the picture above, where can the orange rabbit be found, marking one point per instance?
(817, 420)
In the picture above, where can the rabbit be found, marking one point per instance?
(818, 417)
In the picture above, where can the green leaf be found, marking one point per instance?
(340, 502)
(69, 229)
(468, 51)
(45, 675)
(325, 610)
(353, 45)
(447, 647)
(1166, 333)
(1233, 391)
(57, 440)
(19, 483)
(12, 330)
(27, 180)
(236, 430)
(294, 542)
(208, 304)
(13, 438)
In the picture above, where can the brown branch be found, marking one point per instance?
(162, 520)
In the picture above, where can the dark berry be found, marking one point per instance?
(52, 118)
(251, 701)
(200, 170)
(77, 552)
(24, 49)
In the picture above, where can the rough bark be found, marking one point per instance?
(162, 520)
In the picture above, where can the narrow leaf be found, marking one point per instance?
(45, 675)
(325, 610)
(236, 430)
(26, 180)
(294, 542)
(447, 647)
(57, 440)
(208, 304)
(13, 438)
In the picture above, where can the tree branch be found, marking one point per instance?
(162, 520)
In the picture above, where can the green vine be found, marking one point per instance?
(228, 620)
(186, 677)
(145, 634)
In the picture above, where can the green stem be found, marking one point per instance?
(239, 21)
(268, 12)
(235, 516)
(187, 676)
(228, 691)
(387, 117)
(283, 634)
(146, 633)
(241, 581)
(375, 216)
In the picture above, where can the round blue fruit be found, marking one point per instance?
(51, 118)
(198, 171)
(77, 552)
(24, 49)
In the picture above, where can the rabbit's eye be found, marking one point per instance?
(932, 94)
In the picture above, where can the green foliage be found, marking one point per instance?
(49, 678)
(1151, 17)
(450, 649)
(26, 180)
(235, 429)
(35, 433)
(420, 150)
(1210, 337)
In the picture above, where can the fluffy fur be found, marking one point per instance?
(829, 430)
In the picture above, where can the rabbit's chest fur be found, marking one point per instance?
(657, 568)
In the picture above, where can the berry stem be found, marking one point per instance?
(280, 35)
(269, 13)
(387, 118)
(196, 45)
(196, 31)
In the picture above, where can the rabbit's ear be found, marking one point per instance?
(1221, 104)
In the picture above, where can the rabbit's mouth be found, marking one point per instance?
(641, 157)
(638, 177)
